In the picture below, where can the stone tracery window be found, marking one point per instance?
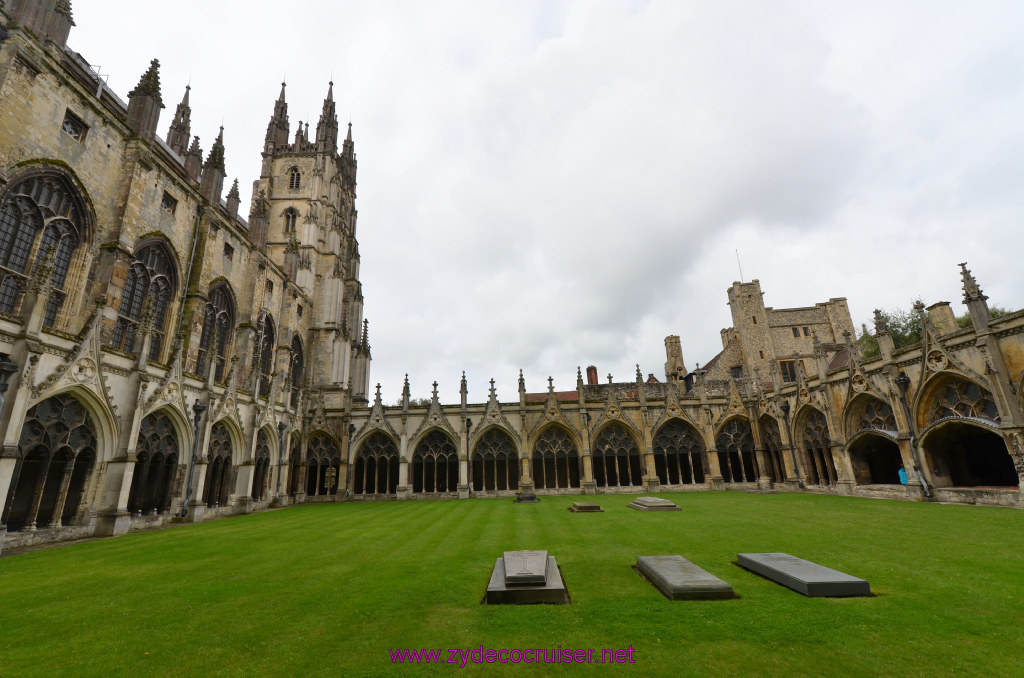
(57, 452)
(735, 445)
(376, 468)
(218, 323)
(40, 218)
(877, 416)
(219, 474)
(290, 219)
(261, 473)
(963, 398)
(152, 275)
(263, 350)
(156, 465)
(817, 445)
(297, 367)
(556, 462)
(679, 456)
(435, 464)
(495, 463)
(616, 459)
(294, 178)
(772, 439)
(323, 466)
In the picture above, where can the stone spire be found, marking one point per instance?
(194, 160)
(277, 129)
(366, 335)
(212, 182)
(975, 300)
(971, 289)
(181, 126)
(327, 128)
(145, 102)
(348, 148)
(233, 200)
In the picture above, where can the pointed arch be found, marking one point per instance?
(951, 394)
(771, 438)
(964, 452)
(615, 455)
(814, 442)
(323, 464)
(57, 453)
(735, 444)
(291, 220)
(556, 460)
(376, 465)
(495, 460)
(157, 460)
(225, 439)
(435, 463)
(294, 178)
(297, 367)
(44, 215)
(152, 275)
(867, 411)
(263, 351)
(261, 462)
(218, 330)
(680, 456)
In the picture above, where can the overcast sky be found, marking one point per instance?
(549, 184)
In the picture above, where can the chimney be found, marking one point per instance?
(591, 375)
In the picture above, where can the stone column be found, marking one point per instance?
(243, 486)
(402, 491)
(714, 470)
(62, 494)
(37, 496)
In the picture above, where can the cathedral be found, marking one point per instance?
(164, 359)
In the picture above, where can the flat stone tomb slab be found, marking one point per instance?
(525, 568)
(585, 507)
(803, 576)
(527, 498)
(679, 579)
(653, 504)
(552, 591)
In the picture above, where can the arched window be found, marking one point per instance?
(294, 466)
(962, 398)
(41, 219)
(495, 463)
(57, 451)
(735, 445)
(323, 466)
(263, 352)
(294, 178)
(772, 439)
(679, 457)
(219, 477)
(435, 464)
(156, 465)
(616, 459)
(297, 367)
(817, 445)
(376, 469)
(556, 463)
(261, 474)
(291, 217)
(152, 274)
(219, 322)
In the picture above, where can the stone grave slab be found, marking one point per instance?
(525, 567)
(585, 507)
(653, 504)
(803, 576)
(504, 589)
(679, 579)
(527, 498)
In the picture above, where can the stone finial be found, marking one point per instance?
(149, 84)
(434, 395)
(971, 290)
(494, 392)
(817, 346)
(551, 385)
(579, 377)
(639, 374)
(376, 398)
(881, 324)
(233, 200)
(462, 385)
(405, 386)
(522, 382)
(366, 334)
(610, 378)
(216, 158)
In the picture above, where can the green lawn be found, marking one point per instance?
(328, 589)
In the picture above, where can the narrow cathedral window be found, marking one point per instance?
(41, 203)
(73, 126)
(218, 321)
(290, 217)
(299, 310)
(796, 332)
(788, 370)
(229, 252)
(264, 352)
(168, 203)
(152, 276)
(294, 178)
(270, 287)
(754, 318)
(806, 332)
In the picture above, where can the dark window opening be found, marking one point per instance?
(788, 370)
(74, 127)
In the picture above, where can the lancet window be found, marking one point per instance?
(150, 276)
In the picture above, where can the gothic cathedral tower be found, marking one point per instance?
(303, 214)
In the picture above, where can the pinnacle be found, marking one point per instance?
(149, 84)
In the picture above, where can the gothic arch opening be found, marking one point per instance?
(556, 462)
(156, 466)
(218, 331)
(323, 466)
(965, 454)
(262, 470)
(376, 468)
(679, 456)
(435, 464)
(819, 466)
(735, 443)
(876, 459)
(294, 466)
(771, 438)
(495, 462)
(616, 458)
(220, 475)
(57, 453)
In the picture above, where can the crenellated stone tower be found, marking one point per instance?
(303, 211)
